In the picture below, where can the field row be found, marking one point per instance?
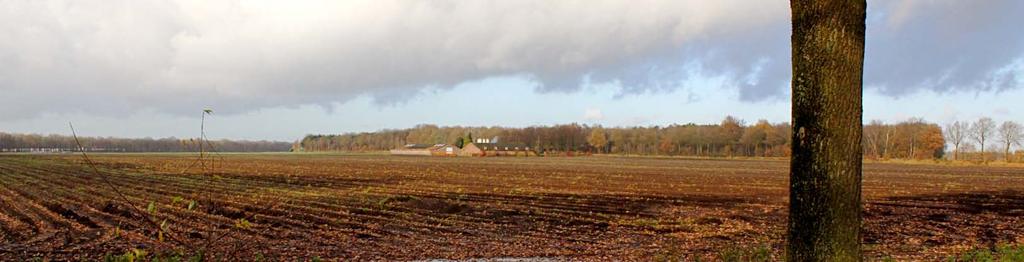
(381, 207)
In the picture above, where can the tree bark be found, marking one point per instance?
(983, 160)
(956, 151)
(825, 167)
(1006, 152)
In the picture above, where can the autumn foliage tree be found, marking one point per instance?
(598, 139)
(756, 136)
(913, 138)
(916, 139)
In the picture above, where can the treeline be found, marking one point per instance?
(731, 137)
(911, 139)
(52, 143)
(984, 140)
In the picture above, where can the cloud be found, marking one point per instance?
(121, 56)
(944, 45)
(593, 115)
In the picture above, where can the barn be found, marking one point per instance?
(445, 150)
(496, 149)
(412, 150)
(426, 150)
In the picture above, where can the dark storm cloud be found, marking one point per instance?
(944, 45)
(116, 57)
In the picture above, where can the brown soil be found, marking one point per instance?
(409, 208)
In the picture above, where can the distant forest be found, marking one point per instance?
(913, 138)
(49, 143)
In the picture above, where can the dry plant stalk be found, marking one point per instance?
(213, 236)
(117, 191)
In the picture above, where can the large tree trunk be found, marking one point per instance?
(825, 168)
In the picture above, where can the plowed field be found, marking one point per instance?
(284, 207)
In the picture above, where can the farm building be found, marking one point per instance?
(479, 147)
(426, 150)
(496, 149)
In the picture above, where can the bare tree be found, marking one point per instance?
(825, 168)
(956, 132)
(877, 135)
(873, 137)
(981, 131)
(1009, 134)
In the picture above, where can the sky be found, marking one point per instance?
(281, 69)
